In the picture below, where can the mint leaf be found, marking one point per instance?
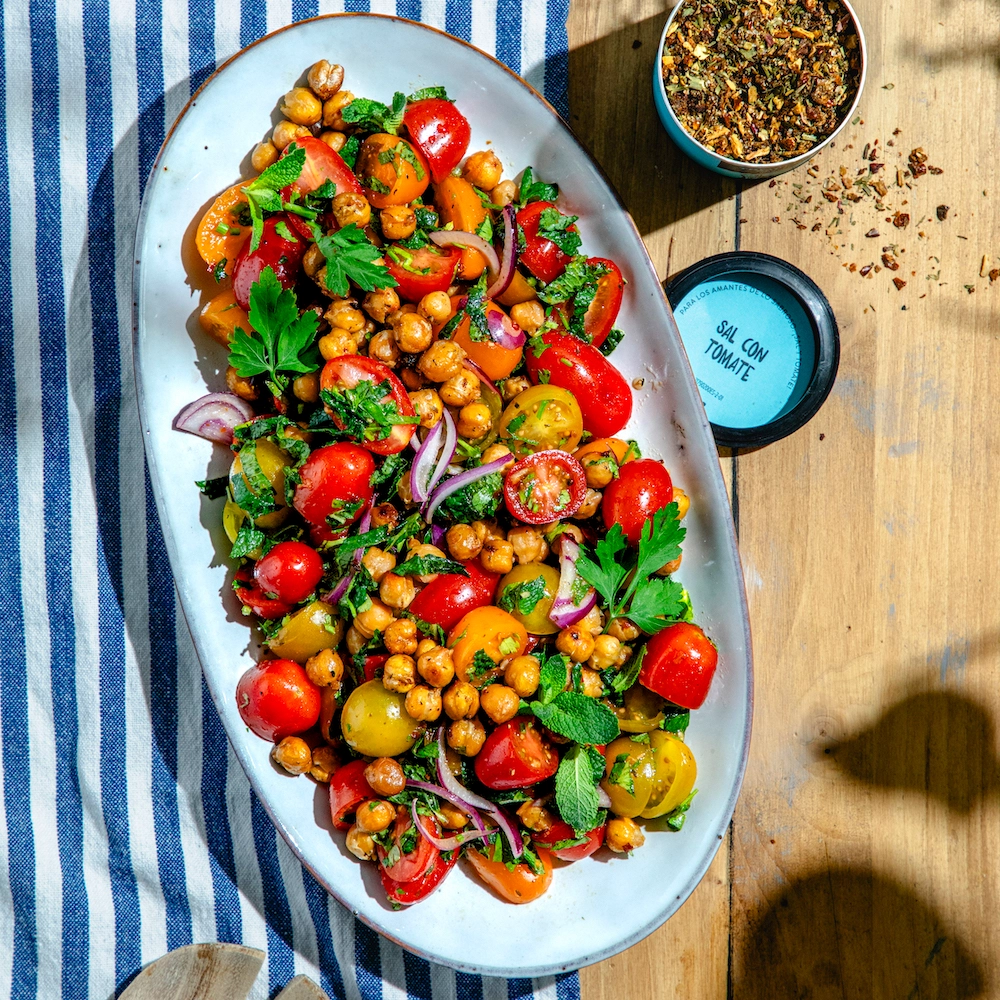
(350, 254)
(552, 678)
(613, 339)
(282, 172)
(581, 719)
(675, 819)
(522, 597)
(532, 190)
(374, 116)
(248, 539)
(554, 226)
(677, 723)
(425, 93)
(422, 565)
(624, 679)
(576, 791)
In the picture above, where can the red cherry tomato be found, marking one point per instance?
(346, 372)
(373, 663)
(418, 272)
(276, 699)
(290, 571)
(641, 489)
(332, 479)
(515, 755)
(560, 832)
(322, 164)
(540, 256)
(281, 255)
(406, 893)
(440, 131)
(416, 862)
(545, 487)
(604, 396)
(603, 310)
(679, 664)
(257, 600)
(447, 599)
(348, 789)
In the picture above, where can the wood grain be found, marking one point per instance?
(213, 971)
(863, 858)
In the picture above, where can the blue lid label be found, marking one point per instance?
(744, 349)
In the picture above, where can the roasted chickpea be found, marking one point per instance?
(529, 316)
(683, 502)
(522, 675)
(513, 386)
(399, 673)
(497, 555)
(285, 131)
(360, 844)
(671, 567)
(576, 643)
(483, 169)
(401, 637)
(590, 683)
(385, 776)
(461, 701)
(301, 106)
(499, 702)
(461, 389)
(592, 621)
(623, 835)
(624, 655)
(591, 504)
(466, 736)
(324, 762)
(496, 451)
(463, 543)
(325, 79)
(243, 387)
(380, 303)
(374, 815)
(534, 816)
(397, 591)
(349, 207)
(484, 530)
(412, 379)
(326, 668)
(306, 387)
(474, 420)
(606, 650)
(265, 153)
(398, 222)
(293, 754)
(423, 703)
(451, 817)
(373, 619)
(413, 333)
(384, 514)
(436, 667)
(345, 314)
(529, 545)
(425, 646)
(355, 640)
(435, 306)
(313, 260)
(442, 360)
(504, 193)
(332, 110)
(336, 343)
(599, 469)
(378, 562)
(428, 406)
(335, 140)
(383, 348)
(623, 630)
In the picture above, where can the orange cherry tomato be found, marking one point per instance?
(518, 884)
(517, 291)
(496, 362)
(220, 234)
(494, 631)
(391, 170)
(459, 204)
(220, 316)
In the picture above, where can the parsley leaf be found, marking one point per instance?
(532, 190)
(576, 789)
(659, 598)
(581, 719)
(613, 339)
(421, 565)
(426, 93)
(281, 340)
(366, 411)
(554, 226)
(522, 597)
(374, 116)
(606, 575)
(350, 254)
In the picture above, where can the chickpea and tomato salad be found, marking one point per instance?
(462, 573)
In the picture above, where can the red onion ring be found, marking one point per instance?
(564, 612)
(470, 241)
(455, 800)
(508, 259)
(503, 330)
(214, 416)
(443, 843)
(341, 586)
(425, 462)
(456, 483)
(479, 373)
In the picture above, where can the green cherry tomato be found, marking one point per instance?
(530, 609)
(375, 724)
(541, 418)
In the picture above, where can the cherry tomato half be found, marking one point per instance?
(561, 833)
(257, 600)
(540, 256)
(332, 479)
(348, 789)
(276, 699)
(679, 664)
(603, 309)
(449, 596)
(418, 272)
(416, 862)
(496, 361)
(604, 396)
(515, 755)
(221, 234)
(518, 884)
(346, 372)
(641, 489)
(282, 255)
(544, 487)
(290, 571)
(440, 131)
(322, 164)
(407, 893)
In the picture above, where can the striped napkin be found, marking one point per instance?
(127, 827)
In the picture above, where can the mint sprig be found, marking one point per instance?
(263, 192)
(573, 715)
(374, 116)
(579, 772)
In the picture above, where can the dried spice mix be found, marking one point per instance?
(761, 81)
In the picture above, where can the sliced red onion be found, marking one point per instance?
(564, 611)
(340, 588)
(603, 799)
(455, 800)
(508, 260)
(479, 373)
(425, 463)
(470, 241)
(214, 416)
(443, 843)
(456, 483)
(437, 535)
(448, 451)
(503, 330)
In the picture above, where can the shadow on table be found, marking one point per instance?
(840, 932)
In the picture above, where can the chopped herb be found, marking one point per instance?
(426, 93)
(554, 226)
(219, 269)
(264, 192)
(350, 254)
(532, 190)
(477, 501)
(613, 339)
(366, 411)
(213, 488)
(621, 774)
(349, 151)
(675, 819)
(424, 565)
(248, 539)
(374, 116)
(431, 629)
(522, 597)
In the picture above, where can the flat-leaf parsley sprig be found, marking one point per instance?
(350, 254)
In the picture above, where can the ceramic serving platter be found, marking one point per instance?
(597, 907)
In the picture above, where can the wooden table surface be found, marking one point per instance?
(864, 856)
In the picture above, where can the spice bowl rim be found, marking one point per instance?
(710, 159)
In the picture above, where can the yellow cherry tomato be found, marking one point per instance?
(642, 711)
(525, 595)
(375, 722)
(307, 631)
(540, 418)
(492, 630)
(676, 772)
(629, 774)
(272, 462)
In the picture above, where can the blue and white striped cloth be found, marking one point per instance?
(127, 826)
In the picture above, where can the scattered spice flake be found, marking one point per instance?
(994, 274)
(982, 266)
(899, 283)
(872, 233)
(969, 288)
(888, 86)
(890, 263)
(901, 219)
(866, 270)
(942, 212)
